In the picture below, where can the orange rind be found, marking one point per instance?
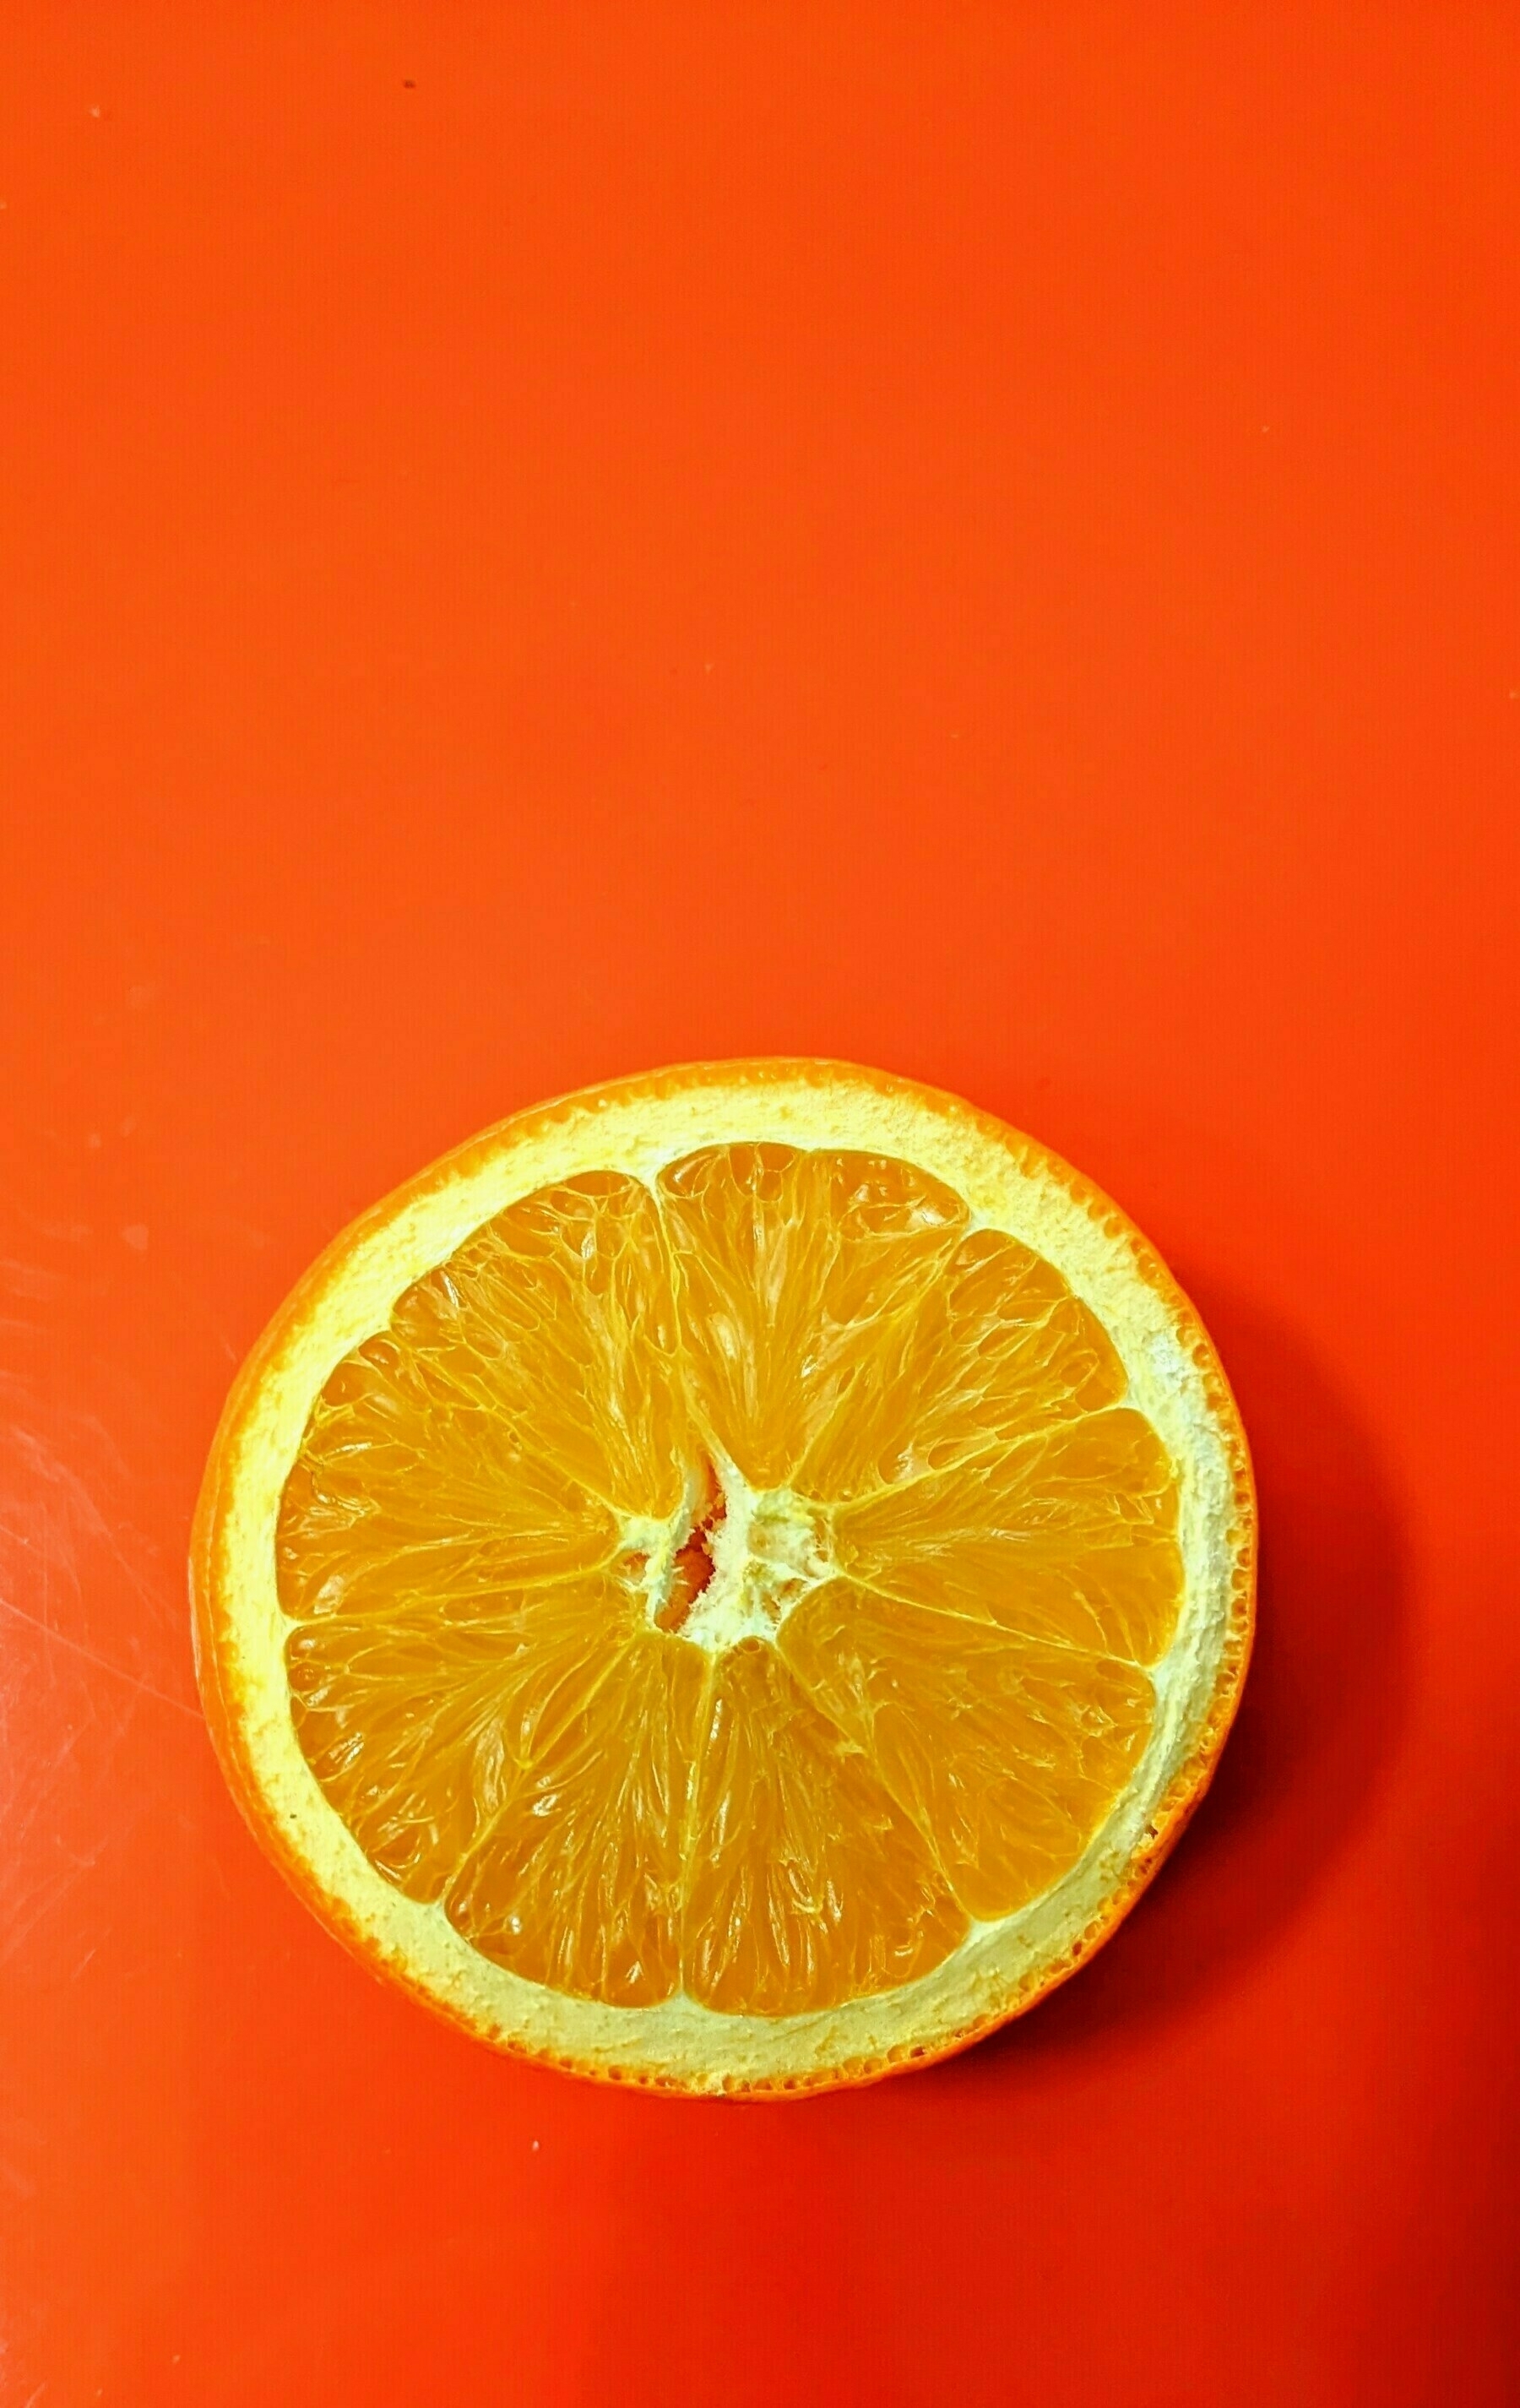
(732, 1580)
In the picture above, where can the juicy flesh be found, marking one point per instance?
(738, 1585)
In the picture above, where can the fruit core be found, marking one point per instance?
(731, 1563)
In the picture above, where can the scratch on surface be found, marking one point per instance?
(66, 1556)
(43, 1899)
(29, 1279)
(63, 1509)
(101, 1663)
(81, 1585)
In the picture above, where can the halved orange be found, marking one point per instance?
(731, 1580)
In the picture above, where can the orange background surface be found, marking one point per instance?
(539, 541)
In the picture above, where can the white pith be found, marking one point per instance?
(767, 1548)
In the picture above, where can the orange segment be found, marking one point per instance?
(993, 1348)
(412, 1482)
(809, 1884)
(418, 1723)
(1007, 1754)
(1069, 1536)
(577, 1882)
(792, 1267)
(558, 1319)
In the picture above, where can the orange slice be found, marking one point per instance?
(731, 1580)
